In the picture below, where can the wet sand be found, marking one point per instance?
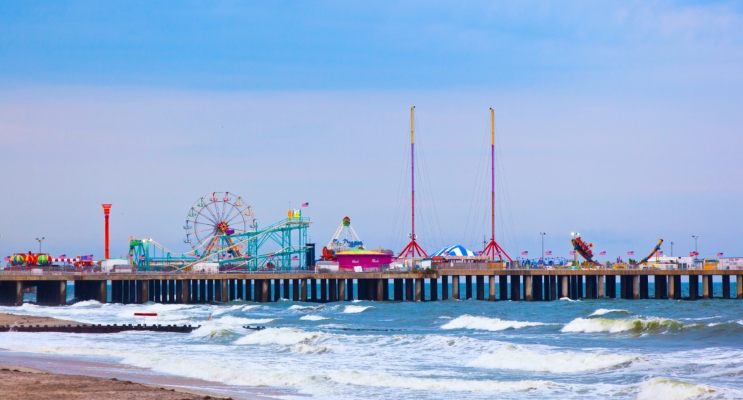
(13, 319)
(25, 383)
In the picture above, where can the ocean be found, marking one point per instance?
(464, 349)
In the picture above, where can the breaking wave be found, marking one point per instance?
(603, 311)
(313, 318)
(351, 309)
(486, 324)
(664, 388)
(513, 357)
(636, 325)
(438, 384)
(282, 336)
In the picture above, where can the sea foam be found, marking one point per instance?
(513, 357)
(281, 336)
(437, 384)
(603, 311)
(486, 324)
(313, 318)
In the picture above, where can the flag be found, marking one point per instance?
(7, 258)
(691, 254)
(659, 253)
(295, 257)
(548, 253)
(630, 253)
(479, 253)
(719, 254)
(307, 204)
(524, 253)
(63, 256)
(572, 252)
(89, 257)
(603, 253)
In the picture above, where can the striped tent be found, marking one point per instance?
(454, 251)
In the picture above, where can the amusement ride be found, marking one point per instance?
(222, 231)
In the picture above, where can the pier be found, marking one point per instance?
(307, 286)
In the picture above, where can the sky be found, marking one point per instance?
(620, 120)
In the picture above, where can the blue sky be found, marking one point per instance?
(621, 120)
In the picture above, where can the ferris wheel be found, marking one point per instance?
(216, 215)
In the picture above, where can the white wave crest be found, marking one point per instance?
(87, 303)
(351, 309)
(439, 384)
(313, 318)
(520, 358)
(486, 324)
(602, 311)
(663, 388)
(568, 299)
(282, 336)
(636, 325)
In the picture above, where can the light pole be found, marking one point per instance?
(672, 243)
(40, 240)
(575, 253)
(696, 252)
(542, 234)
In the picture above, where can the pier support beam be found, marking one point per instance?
(527, 287)
(11, 293)
(491, 288)
(342, 290)
(323, 290)
(397, 284)
(503, 287)
(671, 287)
(303, 290)
(706, 292)
(225, 290)
(186, 291)
(444, 287)
(515, 287)
(726, 286)
(419, 289)
(455, 287)
(380, 289)
(480, 287)
(349, 290)
(739, 286)
(693, 287)
(265, 290)
(600, 287)
(468, 286)
(564, 287)
(636, 287)
(287, 289)
(644, 287)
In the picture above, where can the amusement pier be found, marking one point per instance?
(433, 285)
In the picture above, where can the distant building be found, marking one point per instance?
(368, 260)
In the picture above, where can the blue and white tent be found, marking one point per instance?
(454, 251)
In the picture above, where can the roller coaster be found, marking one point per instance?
(225, 233)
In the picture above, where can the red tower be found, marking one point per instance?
(106, 213)
(493, 249)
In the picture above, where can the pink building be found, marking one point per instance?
(368, 260)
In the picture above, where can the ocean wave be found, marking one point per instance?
(313, 318)
(514, 357)
(568, 299)
(351, 309)
(306, 308)
(433, 384)
(282, 336)
(603, 311)
(486, 324)
(636, 325)
(86, 303)
(664, 388)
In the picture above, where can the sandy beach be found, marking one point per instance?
(24, 376)
(23, 383)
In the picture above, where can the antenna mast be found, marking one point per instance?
(413, 247)
(493, 248)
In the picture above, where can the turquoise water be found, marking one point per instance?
(448, 349)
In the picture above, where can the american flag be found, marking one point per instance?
(7, 258)
(547, 253)
(307, 204)
(630, 253)
(572, 252)
(719, 254)
(524, 253)
(479, 253)
(89, 257)
(63, 256)
(603, 253)
(295, 257)
(659, 253)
